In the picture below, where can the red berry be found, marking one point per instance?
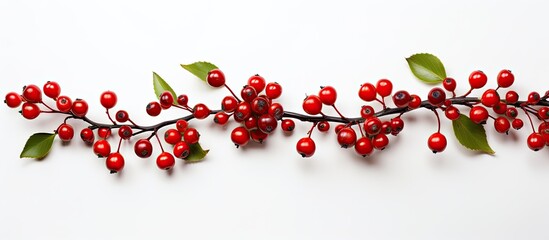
(221, 118)
(306, 147)
(535, 141)
(500, 108)
(240, 136)
(386, 127)
(273, 90)
(201, 111)
(401, 98)
(172, 136)
(415, 102)
(323, 126)
(543, 129)
(166, 99)
(364, 146)
(64, 103)
(143, 148)
(32, 94)
(260, 105)
(216, 78)
(367, 112)
(183, 100)
(30, 110)
(251, 123)
(104, 133)
(452, 113)
(477, 79)
(372, 126)
(436, 96)
(122, 116)
(511, 97)
(312, 105)
(257, 82)
(478, 114)
(165, 161)
(533, 98)
(79, 108)
(108, 99)
(65, 132)
(449, 84)
(380, 141)
(87, 135)
(181, 150)
(115, 162)
(437, 142)
(276, 110)
(266, 123)
(327, 95)
(52, 89)
(367, 92)
(287, 125)
(181, 125)
(505, 78)
(346, 137)
(384, 87)
(543, 113)
(502, 125)
(258, 136)
(248, 94)
(243, 111)
(490, 98)
(153, 109)
(229, 104)
(125, 132)
(13, 100)
(511, 112)
(102, 148)
(191, 136)
(397, 125)
(517, 123)
(338, 128)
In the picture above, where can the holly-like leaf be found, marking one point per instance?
(427, 68)
(160, 86)
(38, 145)
(471, 135)
(200, 69)
(197, 153)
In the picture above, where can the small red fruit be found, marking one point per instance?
(102, 148)
(260, 105)
(276, 110)
(287, 125)
(122, 116)
(248, 93)
(201, 111)
(517, 123)
(87, 135)
(216, 78)
(273, 90)
(52, 89)
(125, 132)
(181, 150)
(436, 96)
(535, 141)
(172, 136)
(367, 92)
(364, 146)
(449, 84)
(166, 99)
(13, 100)
(221, 118)
(490, 98)
(104, 132)
(240, 136)
(115, 162)
(477, 79)
(380, 141)
(229, 104)
(65, 132)
(165, 161)
(79, 108)
(32, 94)
(266, 123)
(478, 114)
(323, 126)
(257, 82)
(64, 103)
(108, 99)
(384, 87)
(191, 136)
(306, 147)
(511, 97)
(181, 125)
(182, 100)
(401, 98)
(346, 137)
(372, 126)
(243, 111)
(312, 105)
(415, 102)
(153, 109)
(502, 125)
(533, 98)
(505, 78)
(437, 142)
(143, 148)
(452, 113)
(30, 111)
(328, 95)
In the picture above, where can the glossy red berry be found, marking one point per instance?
(533, 98)
(338, 128)
(346, 137)
(312, 105)
(63, 103)
(266, 123)
(401, 98)
(251, 123)
(65, 132)
(500, 108)
(172, 136)
(415, 101)
(13, 100)
(535, 141)
(452, 113)
(257, 82)
(181, 125)
(258, 136)
(102, 148)
(153, 109)
(166, 99)
(517, 123)
(201, 111)
(490, 98)
(30, 111)
(52, 89)
(248, 93)
(191, 136)
(384, 87)
(143, 148)
(182, 100)
(436, 96)
(478, 114)
(477, 79)
(306, 147)
(115, 162)
(323, 126)
(108, 99)
(327, 95)
(511, 97)
(380, 141)
(216, 78)
(104, 133)
(122, 116)
(276, 110)
(273, 90)
(437, 142)
(221, 118)
(372, 126)
(79, 108)
(243, 111)
(229, 104)
(367, 92)
(543, 113)
(125, 132)
(502, 125)
(449, 84)
(364, 146)
(240, 136)
(87, 135)
(505, 78)
(260, 105)
(32, 94)
(397, 125)
(287, 125)
(386, 127)
(543, 129)
(511, 112)
(181, 150)
(366, 112)
(165, 161)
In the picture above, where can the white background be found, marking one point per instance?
(269, 192)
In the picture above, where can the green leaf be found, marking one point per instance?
(160, 86)
(427, 68)
(197, 154)
(38, 145)
(471, 135)
(200, 69)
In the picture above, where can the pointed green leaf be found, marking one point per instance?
(200, 69)
(197, 153)
(427, 68)
(471, 135)
(160, 86)
(38, 145)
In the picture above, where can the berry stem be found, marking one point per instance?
(230, 90)
(529, 118)
(159, 142)
(339, 113)
(438, 119)
(46, 105)
(467, 93)
(109, 115)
